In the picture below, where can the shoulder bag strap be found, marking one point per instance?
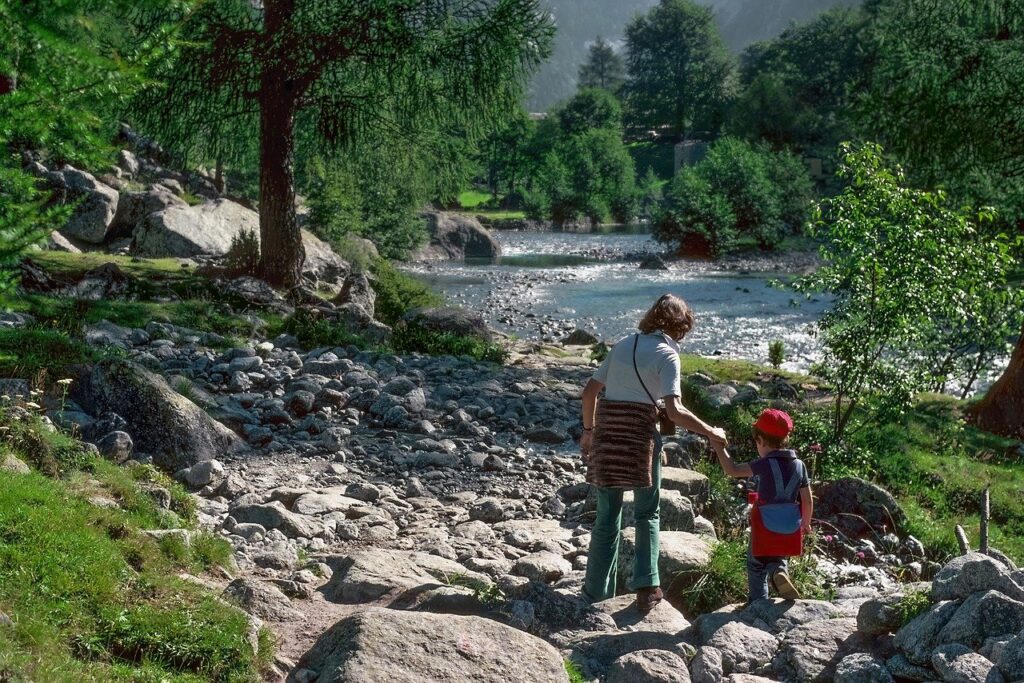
(636, 340)
(783, 491)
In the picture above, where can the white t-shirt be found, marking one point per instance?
(657, 359)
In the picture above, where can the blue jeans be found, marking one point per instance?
(603, 557)
(758, 571)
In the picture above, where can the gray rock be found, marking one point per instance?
(448, 319)
(487, 510)
(357, 290)
(880, 615)
(812, 651)
(545, 567)
(546, 435)
(261, 599)
(902, 668)
(648, 666)
(971, 573)
(693, 485)
(368, 575)
(363, 491)
(204, 473)
(580, 337)
(133, 208)
(983, 615)
(274, 515)
(744, 649)
(389, 645)
(857, 507)
(675, 512)
(249, 290)
(57, 241)
(957, 664)
(97, 205)
(455, 236)
(707, 667)
(920, 636)
(862, 668)
(1011, 659)
(116, 446)
(680, 552)
(175, 431)
(205, 229)
(9, 463)
(653, 262)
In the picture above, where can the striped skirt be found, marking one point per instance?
(623, 445)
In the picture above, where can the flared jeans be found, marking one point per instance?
(603, 558)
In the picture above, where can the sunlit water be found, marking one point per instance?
(546, 284)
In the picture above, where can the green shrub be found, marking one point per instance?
(573, 671)
(722, 581)
(313, 330)
(243, 257)
(913, 604)
(776, 353)
(417, 340)
(399, 293)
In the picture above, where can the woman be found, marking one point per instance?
(639, 369)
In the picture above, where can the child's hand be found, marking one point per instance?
(717, 436)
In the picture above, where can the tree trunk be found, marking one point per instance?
(281, 251)
(1002, 410)
(218, 177)
(8, 84)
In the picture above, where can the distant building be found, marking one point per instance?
(815, 168)
(688, 153)
(538, 115)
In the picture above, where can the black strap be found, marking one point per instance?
(636, 340)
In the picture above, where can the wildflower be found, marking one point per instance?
(828, 538)
(815, 447)
(860, 554)
(65, 382)
(32, 405)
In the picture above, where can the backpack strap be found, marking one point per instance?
(785, 491)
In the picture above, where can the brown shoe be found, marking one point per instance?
(784, 586)
(648, 598)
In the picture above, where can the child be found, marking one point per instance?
(771, 435)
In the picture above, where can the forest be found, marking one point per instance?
(298, 300)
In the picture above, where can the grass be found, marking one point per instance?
(41, 355)
(727, 369)
(93, 598)
(471, 199)
(481, 203)
(416, 340)
(573, 671)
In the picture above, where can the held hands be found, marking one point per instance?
(718, 437)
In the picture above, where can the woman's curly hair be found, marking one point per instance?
(669, 314)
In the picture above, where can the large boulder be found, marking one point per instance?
(857, 507)
(162, 422)
(812, 652)
(450, 320)
(382, 645)
(274, 515)
(357, 290)
(368, 575)
(648, 666)
(186, 231)
(133, 207)
(965, 575)
(208, 229)
(681, 555)
(455, 236)
(96, 207)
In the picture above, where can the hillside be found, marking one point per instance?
(741, 22)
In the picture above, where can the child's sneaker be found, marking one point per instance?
(784, 586)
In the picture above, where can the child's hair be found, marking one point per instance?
(773, 441)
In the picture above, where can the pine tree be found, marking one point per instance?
(337, 72)
(604, 68)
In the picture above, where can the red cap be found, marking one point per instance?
(774, 423)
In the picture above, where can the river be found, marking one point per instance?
(547, 284)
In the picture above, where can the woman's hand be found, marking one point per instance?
(586, 443)
(717, 435)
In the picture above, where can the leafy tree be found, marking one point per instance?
(603, 69)
(680, 73)
(944, 95)
(697, 220)
(505, 155)
(649, 191)
(899, 262)
(590, 108)
(767, 194)
(795, 88)
(374, 193)
(346, 71)
(588, 176)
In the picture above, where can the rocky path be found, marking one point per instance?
(424, 518)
